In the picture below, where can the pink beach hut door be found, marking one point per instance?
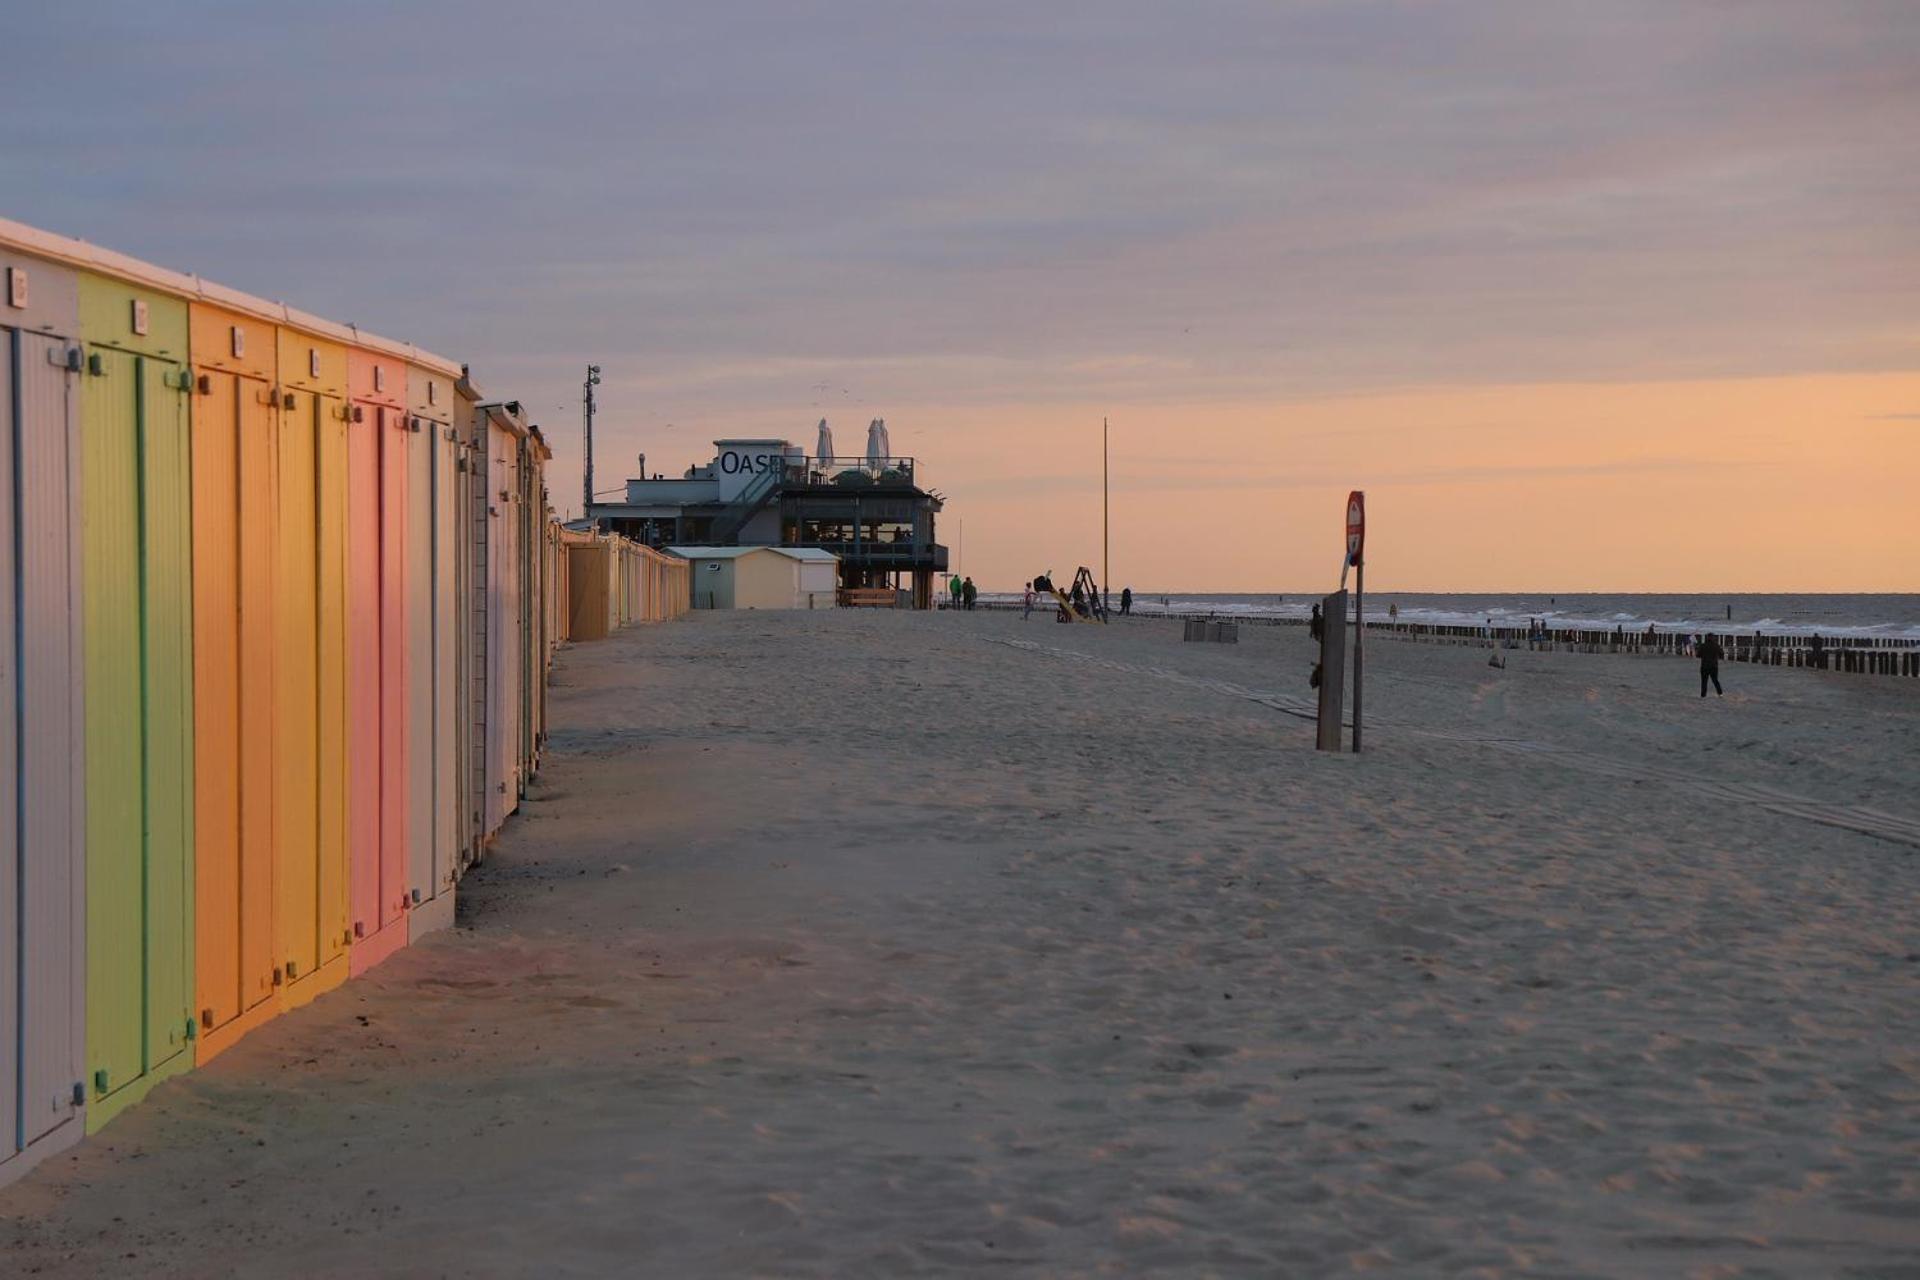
(394, 735)
(363, 671)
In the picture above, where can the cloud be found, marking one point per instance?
(1118, 202)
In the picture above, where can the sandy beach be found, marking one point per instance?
(876, 944)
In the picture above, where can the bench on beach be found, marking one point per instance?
(869, 598)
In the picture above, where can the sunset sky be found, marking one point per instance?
(1617, 296)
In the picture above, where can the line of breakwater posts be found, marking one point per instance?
(1849, 655)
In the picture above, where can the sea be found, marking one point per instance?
(1894, 617)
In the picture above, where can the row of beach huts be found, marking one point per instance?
(280, 598)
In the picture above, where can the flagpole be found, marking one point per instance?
(1106, 536)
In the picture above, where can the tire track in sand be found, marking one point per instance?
(1856, 818)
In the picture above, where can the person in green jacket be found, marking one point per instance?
(953, 585)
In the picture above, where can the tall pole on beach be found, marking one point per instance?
(586, 409)
(1106, 537)
(1357, 557)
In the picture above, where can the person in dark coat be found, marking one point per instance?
(1316, 625)
(1709, 651)
(1126, 601)
(968, 593)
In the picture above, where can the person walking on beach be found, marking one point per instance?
(1316, 625)
(1709, 651)
(953, 584)
(1126, 601)
(967, 594)
(1026, 610)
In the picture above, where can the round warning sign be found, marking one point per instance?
(1356, 525)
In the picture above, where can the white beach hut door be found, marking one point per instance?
(39, 709)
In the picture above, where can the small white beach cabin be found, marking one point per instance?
(760, 577)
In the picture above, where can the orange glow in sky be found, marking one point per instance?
(1610, 296)
(1762, 484)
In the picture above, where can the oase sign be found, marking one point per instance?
(737, 464)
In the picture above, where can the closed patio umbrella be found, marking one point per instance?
(823, 450)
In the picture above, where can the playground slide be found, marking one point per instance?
(1066, 607)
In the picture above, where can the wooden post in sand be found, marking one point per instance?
(1333, 682)
(1359, 611)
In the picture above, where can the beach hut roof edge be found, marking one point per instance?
(81, 253)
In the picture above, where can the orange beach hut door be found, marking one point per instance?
(235, 424)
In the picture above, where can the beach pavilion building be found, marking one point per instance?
(869, 513)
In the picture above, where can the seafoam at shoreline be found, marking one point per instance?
(1886, 617)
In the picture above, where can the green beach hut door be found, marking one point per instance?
(139, 706)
